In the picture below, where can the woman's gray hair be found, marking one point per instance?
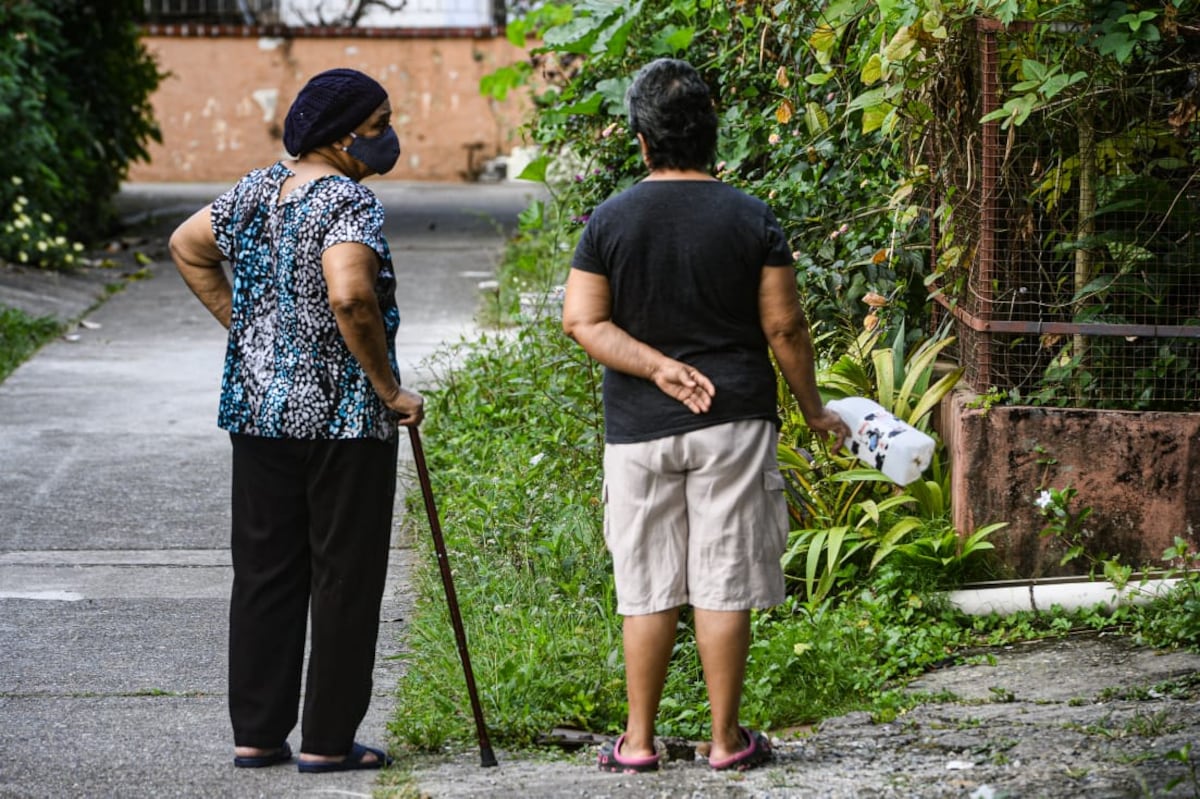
(670, 105)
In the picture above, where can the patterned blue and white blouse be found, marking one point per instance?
(288, 372)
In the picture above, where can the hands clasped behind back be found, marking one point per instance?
(686, 384)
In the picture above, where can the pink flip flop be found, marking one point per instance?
(757, 752)
(612, 760)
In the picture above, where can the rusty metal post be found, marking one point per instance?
(985, 260)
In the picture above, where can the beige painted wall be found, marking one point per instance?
(222, 106)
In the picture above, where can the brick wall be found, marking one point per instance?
(222, 106)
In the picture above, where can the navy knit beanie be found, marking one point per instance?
(329, 106)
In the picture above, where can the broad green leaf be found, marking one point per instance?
(890, 121)
(588, 106)
(813, 562)
(935, 394)
(822, 41)
(872, 70)
(918, 369)
(1022, 108)
(498, 83)
(534, 215)
(1055, 84)
(901, 45)
(577, 36)
(884, 377)
(815, 119)
(613, 91)
(535, 169)
(1034, 70)
(515, 32)
(791, 459)
(929, 496)
(976, 540)
(872, 97)
(833, 547)
(673, 40)
(859, 476)
(873, 118)
(893, 536)
(1134, 21)
(612, 41)
(871, 510)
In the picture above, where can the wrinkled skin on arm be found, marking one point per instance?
(194, 250)
(350, 270)
(788, 335)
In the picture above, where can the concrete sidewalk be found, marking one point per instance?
(114, 561)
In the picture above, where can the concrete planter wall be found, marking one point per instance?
(1138, 471)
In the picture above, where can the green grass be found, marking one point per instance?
(514, 444)
(21, 336)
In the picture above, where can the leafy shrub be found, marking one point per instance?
(792, 142)
(75, 83)
(1174, 620)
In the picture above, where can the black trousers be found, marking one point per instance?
(312, 524)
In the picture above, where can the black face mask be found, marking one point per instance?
(380, 153)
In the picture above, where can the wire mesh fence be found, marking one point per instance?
(1068, 246)
(323, 12)
(215, 12)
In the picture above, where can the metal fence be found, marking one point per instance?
(1069, 250)
(213, 12)
(313, 12)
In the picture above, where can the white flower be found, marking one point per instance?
(1043, 501)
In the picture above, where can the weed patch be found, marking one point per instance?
(22, 335)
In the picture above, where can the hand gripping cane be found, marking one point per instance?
(487, 758)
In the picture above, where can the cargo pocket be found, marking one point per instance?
(604, 504)
(775, 515)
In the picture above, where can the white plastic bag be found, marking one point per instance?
(883, 442)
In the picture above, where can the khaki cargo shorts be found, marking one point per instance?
(697, 518)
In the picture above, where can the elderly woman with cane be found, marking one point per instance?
(312, 401)
(680, 286)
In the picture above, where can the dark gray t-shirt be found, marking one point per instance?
(684, 261)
